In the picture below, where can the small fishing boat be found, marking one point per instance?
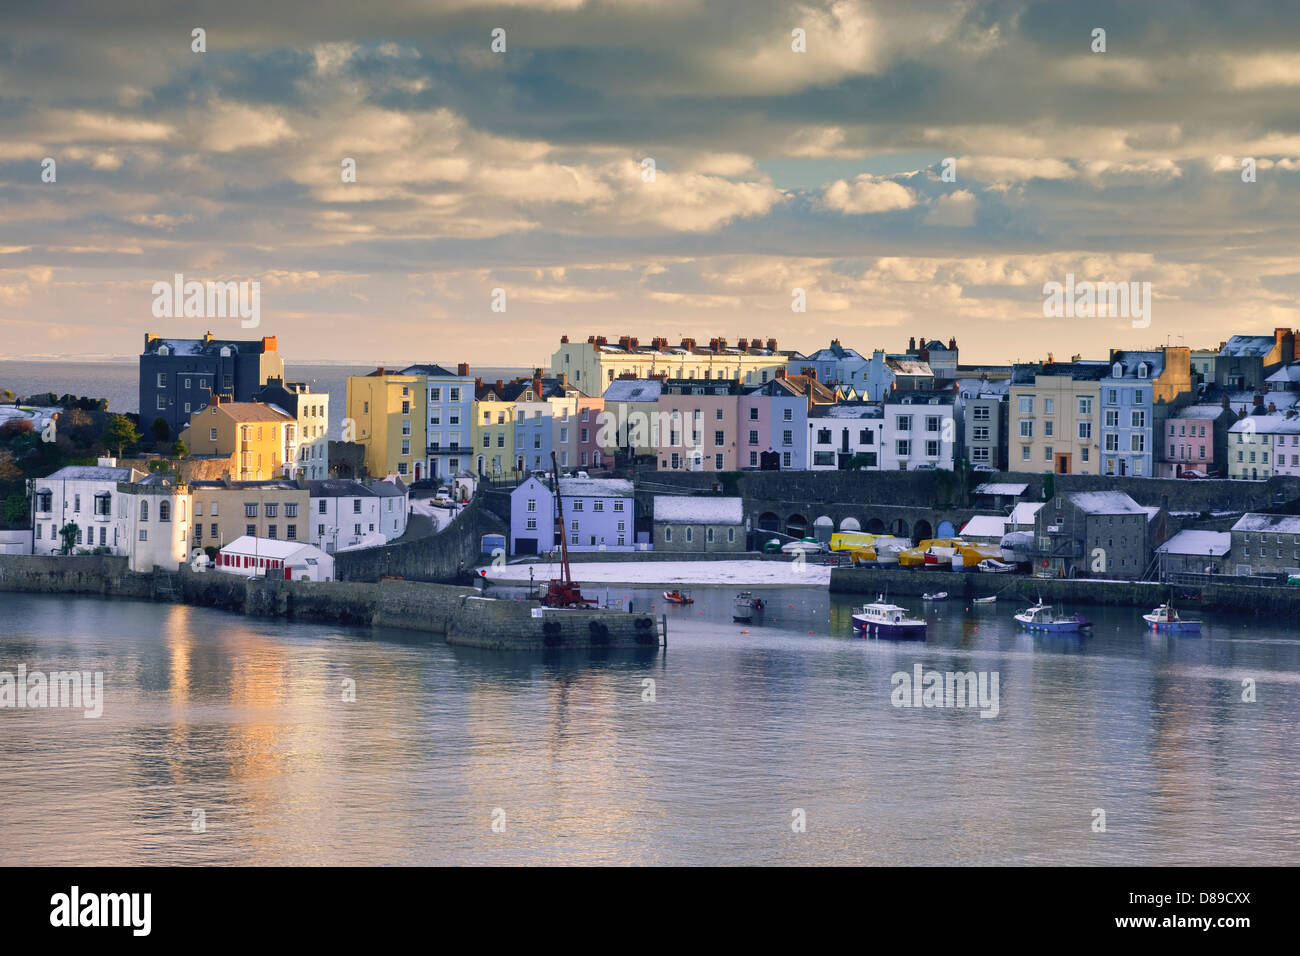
(994, 566)
(985, 600)
(936, 596)
(746, 606)
(1165, 620)
(887, 620)
(1043, 617)
(678, 597)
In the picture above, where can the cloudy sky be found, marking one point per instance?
(525, 170)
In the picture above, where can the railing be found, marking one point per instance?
(1197, 579)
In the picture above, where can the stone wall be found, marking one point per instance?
(75, 574)
(1017, 590)
(432, 558)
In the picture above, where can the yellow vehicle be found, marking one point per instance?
(852, 540)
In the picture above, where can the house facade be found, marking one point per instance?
(593, 364)
(1244, 362)
(984, 418)
(274, 558)
(701, 420)
(307, 451)
(1195, 439)
(178, 377)
(350, 514)
(258, 437)
(847, 436)
(772, 418)
(1054, 417)
(1266, 544)
(1099, 534)
(599, 515)
(86, 496)
(226, 510)
(921, 429)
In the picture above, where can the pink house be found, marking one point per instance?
(698, 425)
(1195, 439)
(586, 427)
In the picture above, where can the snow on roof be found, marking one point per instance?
(983, 388)
(93, 473)
(1277, 524)
(1106, 503)
(1267, 425)
(1024, 512)
(1247, 345)
(1287, 373)
(1199, 411)
(265, 547)
(633, 390)
(595, 488)
(852, 410)
(1000, 488)
(985, 526)
(699, 510)
(1193, 541)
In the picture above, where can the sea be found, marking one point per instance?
(227, 739)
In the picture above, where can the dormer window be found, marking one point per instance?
(1117, 371)
(164, 350)
(1142, 369)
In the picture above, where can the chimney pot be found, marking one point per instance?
(462, 369)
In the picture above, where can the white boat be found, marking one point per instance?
(994, 566)
(985, 600)
(746, 606)
(1165, 619)
(936, 596)
(887, 620)
(887, 552)
(1043, 617)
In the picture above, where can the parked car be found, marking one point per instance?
(1192, 473)
(983, 468)
(441, 502)
(925, 467)
(581, 474)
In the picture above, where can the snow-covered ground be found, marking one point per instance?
(655, 573)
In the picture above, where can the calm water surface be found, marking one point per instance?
(244, 719)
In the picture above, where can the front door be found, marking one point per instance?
(1062, 464)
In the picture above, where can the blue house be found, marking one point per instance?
(449, 406)
(599, 515)
(1128, 412)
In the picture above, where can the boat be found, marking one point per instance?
(994, 566)
(1165, 619)
(746, 606)
(887, 620)
(985, 600)
(678, 597)
(1043, 617)
(936, 596)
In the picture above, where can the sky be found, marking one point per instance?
(526, 170)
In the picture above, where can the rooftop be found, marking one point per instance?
(1273, 524)
(1000, 488)
(698, 510)
(1106, 503)
(634, 390)
(93, 473)
(1245, 346)
(1191, 541)
(267, 547)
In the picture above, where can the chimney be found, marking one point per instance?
(771, 345)
(268, 343)
(463, 369)
(1224, 402)
(591, 340)
(780, 373)
(1272, 408)
(911, 343)
(207, 338)
(564, 378)
(624, 342)
(564, 340)
(636, 343)
(810, 371)
(499, 387)
(952, 343)
(380, 371)
(743, 345)
(688, 344)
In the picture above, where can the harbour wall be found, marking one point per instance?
(460, 614)
(1019, 588)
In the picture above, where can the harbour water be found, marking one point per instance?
(244, 719)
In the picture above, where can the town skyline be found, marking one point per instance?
(667, 169)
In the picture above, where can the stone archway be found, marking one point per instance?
(850, 524)
(796, 526)
(899, 528)
(945, 530)
(823, 528)
(769, 521)
(876, 526)
(922, 530)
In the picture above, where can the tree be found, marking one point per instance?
(161, 431)
(119, 432)
(69, 534)
(16, 509)
(180, 449)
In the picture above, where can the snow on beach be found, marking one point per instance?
(655, 573)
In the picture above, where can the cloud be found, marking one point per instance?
(867, 194)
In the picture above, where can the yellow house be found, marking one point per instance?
(1054, 412)
(253, 433)
(493, 434)
(388, 419)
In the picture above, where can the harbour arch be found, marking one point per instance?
(796, 526)
(922, 530)
(875, 526)
(850, 524)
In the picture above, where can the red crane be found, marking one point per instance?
(562, 592)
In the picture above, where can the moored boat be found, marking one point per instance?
(746, 606)
(1044, 618)
(676, 596)
(994, 566)
(985, 600)
(887, 620)
(936, 596)
(1166, 619)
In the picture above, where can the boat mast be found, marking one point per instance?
(565, 576)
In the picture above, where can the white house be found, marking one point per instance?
(841, 434)
(158, 516)
(348, 514)
(273, 557)
(86, 496)
(921, 429)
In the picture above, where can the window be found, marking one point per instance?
(271, 531)
(668, 533)
(1049, 406)
(250, 530)
(903, 447)
(1047, 429)
(1024, 453)
(690, 534)
(785, 459)
(144, 511)
(1085, 405)
(719, 415)
(753, 436)
(1137, 442)
(1026, 428)
(980, 413)
(532, 505)
(598, 505)
(1026, 404)
(903, 423)
(577, 504)
(144, 535)
(980, 433)
(787, 415)
(356, 506)
(291, 532)
(212, 530)
(717, 462)
(708, 536)
(1139, 419)
(1085, 430)
(291, 510)
(271, 509)
(1112, 418)
(932, 449)
(823, 436)
(753, 414)
(718, 439)
(530, 524)
(453, 394)
(980, 454)
(164, 511)
(356, 529)
(618, 505)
